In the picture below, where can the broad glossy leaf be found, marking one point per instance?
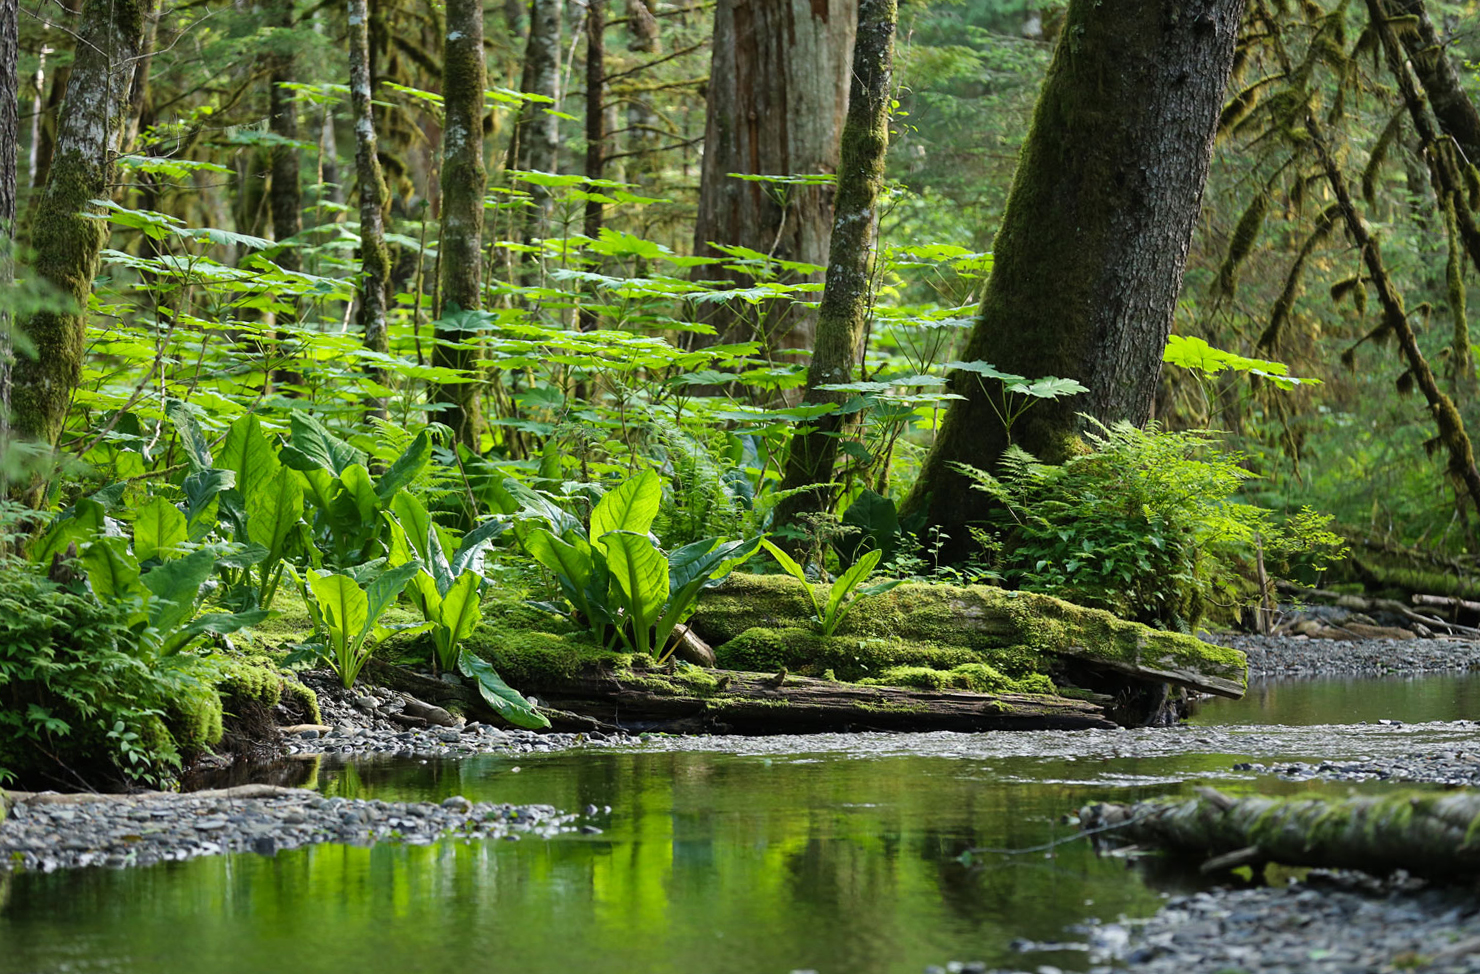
(474, 544)
(641, 571)
(158, 529)
(192, 440)
(310, 438)
(274, 508)
(458, 615)
(344, 604)
(381, 592)
(201, 504)
(406, 468)
(846, 583)
(569, 559)
(507, 702)
(112, 573)
(249, 454)
(633, 506)
(415, 519)
(175, 586)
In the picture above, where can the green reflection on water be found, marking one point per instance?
(1349, 700)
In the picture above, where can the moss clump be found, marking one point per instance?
(975, 677)
(849, 658)
(528, 657)
(249, 681)
(192, 718)
(305, 699)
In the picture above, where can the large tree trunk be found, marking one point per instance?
(66, 237)
(777, 96)
(463, 185)
(1425, 833)
(846, 299)
(375, 258)
(285, 197)
(1090, 256)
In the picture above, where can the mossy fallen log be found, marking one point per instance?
(763, 622)
(1431, 834)
(720, 701)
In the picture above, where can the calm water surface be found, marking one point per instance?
(842, 860)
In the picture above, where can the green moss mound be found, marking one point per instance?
(850, 659)
(973, 677)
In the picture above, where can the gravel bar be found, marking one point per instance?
(1303, 656)
(51, 832)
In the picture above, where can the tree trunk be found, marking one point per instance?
(847, 298)
(536, 141)
(1452, 107)
(10, 137)
(1093, 242)
(1427, 834)
(777, 96)
(285, 198)
(375, 258)
(66, 237)
(461, 245)
(595, 111)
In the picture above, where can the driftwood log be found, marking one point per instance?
(752, 703)
(1424, 624)
(1428, 834)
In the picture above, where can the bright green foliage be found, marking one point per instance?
(346, 614)
(79, 694)
(841, 596)
(1144, 524)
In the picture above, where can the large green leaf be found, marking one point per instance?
(514, 497)
(413, 516)
(112, 573)
(345, 608)
(221, 623)
(273, 509)
(249, 455)
(507, 702)
(406, 468)
(796, 571)
(381, 592)
(570, 561)
(87, 521)
(175, 586)
(159, 528)
(693, 568)
(310, 439)
(844, 585)
(457, 616)
(877, 522)
(474, 544)
(201, 502)
(630, 507)
(642, 573)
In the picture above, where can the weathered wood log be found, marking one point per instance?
(1361, 603)
(1004, 629)
(237, 792)
(1429, 834)
(405, 681)
(1454, 606)
(751, 703)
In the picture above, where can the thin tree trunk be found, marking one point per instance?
(10, 132)
(595, 110)
(285, 197)
(777, 97)
(536, 142)
(1090, 256)
(463, 184)
(66, 237)
(139, 90)
(375, 258)
(847, 296)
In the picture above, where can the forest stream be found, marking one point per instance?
(841, 854)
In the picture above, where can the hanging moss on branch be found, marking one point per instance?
(1429, 834)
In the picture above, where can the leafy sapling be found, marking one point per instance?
(841, 596)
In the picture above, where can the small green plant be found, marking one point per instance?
(346, 615)
(841, 597)
(1018, 393)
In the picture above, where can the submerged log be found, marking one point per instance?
(718, 701)
(1429, 834)
(763, 621)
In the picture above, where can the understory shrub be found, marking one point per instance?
(81, 703)
(1145, 523)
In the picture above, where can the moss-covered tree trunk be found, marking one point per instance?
(375, 258)
(1457, 115)
(536, 141)
(1429, 834)
(846, 297)
(1090, 255)
(10, 135)
(775, 105)
(66, 237)
(461, 245)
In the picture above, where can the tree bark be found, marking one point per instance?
(10, 137)
(1093, 242)
(375, 258)
(66, 238)
(847, 297)
(777, 97)
(463, 185)
(1436, 73)
(285, 197)
(1424, 833)
(595, 110)
(535, 144)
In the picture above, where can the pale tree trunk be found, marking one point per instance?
(10, 131)
(1093, 242)
(536, 142)
(847, 296)
(463, 186)
(375, 258)
(139, 90)
(66, 237)
(777, 96)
